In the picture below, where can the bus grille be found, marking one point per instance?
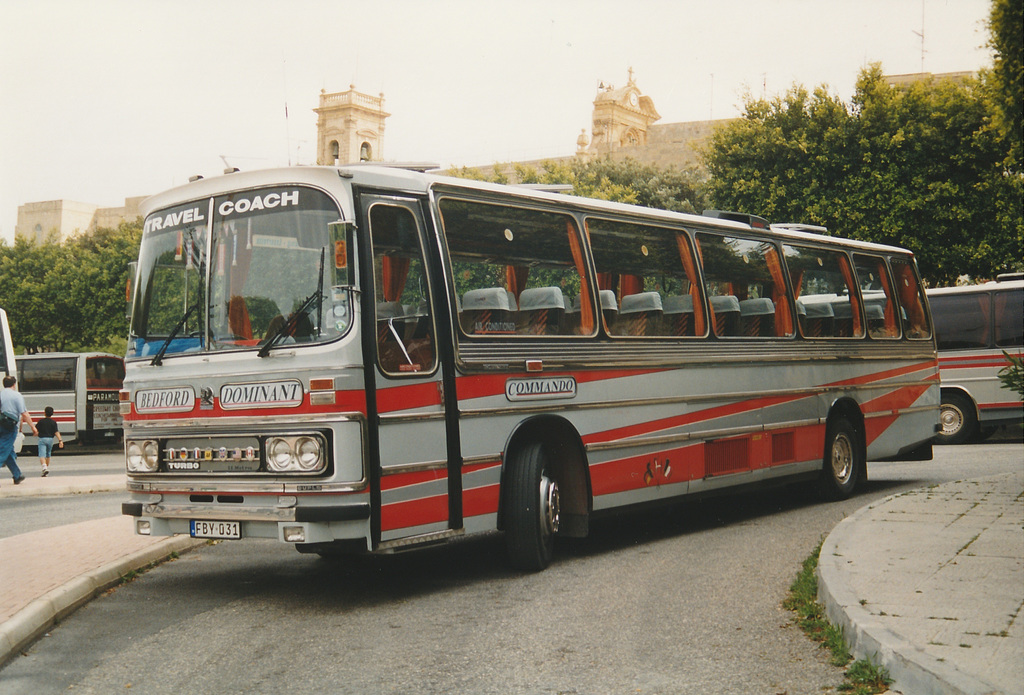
(726, 456)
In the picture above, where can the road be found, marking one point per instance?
(679, 600)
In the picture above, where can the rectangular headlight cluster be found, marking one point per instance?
(293, 453)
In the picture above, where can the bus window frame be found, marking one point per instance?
(667, 230)
(767, 239)
(587, 283)
(420, 221)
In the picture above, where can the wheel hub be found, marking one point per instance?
(549, 505)
(842, 459)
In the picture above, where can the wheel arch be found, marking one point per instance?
(848, 409)
(564, 447)
(958, 390)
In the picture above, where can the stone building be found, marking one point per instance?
(67, 217)
(349, 127)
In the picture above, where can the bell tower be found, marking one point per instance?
(349, 127)
(621, 118)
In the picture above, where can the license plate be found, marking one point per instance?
(215, 529)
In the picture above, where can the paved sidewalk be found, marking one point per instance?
(930, 584)
(45, 575)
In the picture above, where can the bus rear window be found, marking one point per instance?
(104, 373)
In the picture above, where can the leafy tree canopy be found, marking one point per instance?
(69, 295)
(915, 166)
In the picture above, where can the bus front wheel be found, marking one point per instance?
(843, 462)
(956, 415)
(531, 509)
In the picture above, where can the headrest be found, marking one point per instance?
(724, 303)
(682, 304)
(493, 298)
(644, 301)
(541, 298)
(762, 306)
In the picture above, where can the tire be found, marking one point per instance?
(843, 463)
(958, 419)
(531, 510)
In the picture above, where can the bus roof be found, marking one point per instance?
(983, 287)
(416, 182)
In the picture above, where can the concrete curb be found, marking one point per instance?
(55, 487)
(911, 669)
(28, 624)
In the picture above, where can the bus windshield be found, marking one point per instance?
(240, 270)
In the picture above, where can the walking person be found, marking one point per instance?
(12, 414)
(47, 428)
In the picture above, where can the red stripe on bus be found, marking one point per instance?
(482, 500)
(408, 396)
(427, 510)
(400, 480)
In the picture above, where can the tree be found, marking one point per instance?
(1006, 25)
(70, 295)
(915, 166)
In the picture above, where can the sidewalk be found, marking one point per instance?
(45, 575)
(930, 584)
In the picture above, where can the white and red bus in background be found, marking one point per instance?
(372, 359)
(974, 326)
(6, 346)
(82, 389)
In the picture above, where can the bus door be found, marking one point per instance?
(417, 479)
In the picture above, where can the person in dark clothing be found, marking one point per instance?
(47, 427)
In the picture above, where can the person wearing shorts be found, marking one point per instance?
(47, 427)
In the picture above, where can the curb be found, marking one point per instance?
(28, 624)
(911, 669)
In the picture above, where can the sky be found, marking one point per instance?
(108, 99)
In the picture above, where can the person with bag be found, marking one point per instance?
(12, 413)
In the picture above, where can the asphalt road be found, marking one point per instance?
(679, 600)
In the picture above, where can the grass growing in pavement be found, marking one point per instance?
(865, 678)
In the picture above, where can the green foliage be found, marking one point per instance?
(916, 166)
(69, 295)
(863, 677)
(1006, 25)
(1012, 375)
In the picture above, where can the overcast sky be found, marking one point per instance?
(105, 99)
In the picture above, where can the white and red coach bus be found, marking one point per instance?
(81, 387)
(363, 358)
(974, 326)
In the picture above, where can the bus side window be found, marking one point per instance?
(962, 320)
(516, 271)
(647, 278)
(405, 341)
(1009, 321)
(879, 298)
(911, 299)
(746, 288)
(827, 302)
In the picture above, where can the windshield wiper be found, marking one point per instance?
(293, 320)
(158, 358)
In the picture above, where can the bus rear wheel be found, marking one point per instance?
(956, 415)
(532, 509)
(843, 463)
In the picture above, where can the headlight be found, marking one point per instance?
(302, 454)
(142, 456)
